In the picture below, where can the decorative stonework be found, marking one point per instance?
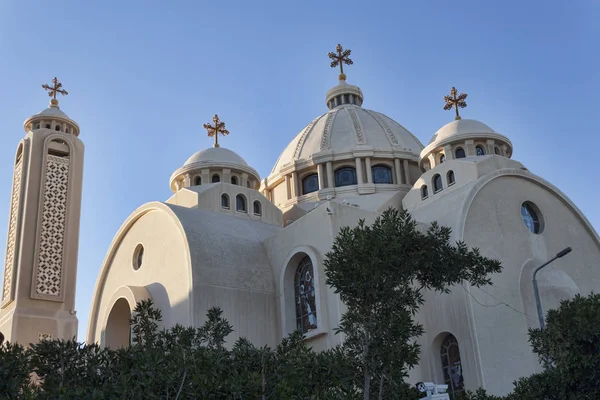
(11, 244)
(303, 138)
(52, 232)
(44, 336)
(385, 127)
(327, 129)
(360, 137)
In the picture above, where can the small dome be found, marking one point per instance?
(345, 128)
(460, 127)
(216, 155)
(52, 113)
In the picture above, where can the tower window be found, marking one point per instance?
(257, 208)
(424, 192)
(460, 153)
(310, 184)
(225, 201)
(48, 126)
(450, 177)
(216, 178)
(451, 365)
(479, 151)
(497, 150)
(381, 174)
(240, 203)
(437, 183)
(57, 128)
(197, 181)
(234, 180)
(345, 176)
(346, 100)
(442, 158)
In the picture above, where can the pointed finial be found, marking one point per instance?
(455, 102)
(214, 130)
(53, 90)
(342, 57)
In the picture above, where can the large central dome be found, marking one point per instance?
(346, 128)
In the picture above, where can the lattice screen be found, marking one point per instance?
(12, 232)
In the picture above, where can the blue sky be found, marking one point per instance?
(144, 76)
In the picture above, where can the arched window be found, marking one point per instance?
(310, 184)
(37, 126)
(382, 174)
(497, 150)
(437, 183)
(450, 177)
(234, 180)
(249, 184)
(442, 158)
(306, 302)
(197, 181)
(240, 203)
(531, 217)
(345, 176)
(216, 178)
(453, 374)
(225, 201)
(460, 153)
(57, 128)
(424, 192)
(479, 151)
(257, 208)
(48, 126)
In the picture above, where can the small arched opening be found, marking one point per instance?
(424, 192)
(118, 330)
(479, 151)
(437, 183)
(460, 153)
(345, 176)
(197, 181)
(310, 184)
(225, 201)
(257, 208)
(240, 203)
(216, 178)
(234, 180)
(450, 177)
(381, 174)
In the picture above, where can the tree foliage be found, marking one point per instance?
(380, 272)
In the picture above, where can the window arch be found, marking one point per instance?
(257, 208)
(381, 174)
(345, 176)
(442, 158)
(240, 203)
(234, 180)
(216, 178)
(460, 153)
(450, 177)
(305, 296)
(310, 183)
(437, 183)
(424, 192)
(451, 365)
(225, 200)
(197, 181)
(479, 151)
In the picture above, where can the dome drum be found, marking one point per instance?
(52, 118)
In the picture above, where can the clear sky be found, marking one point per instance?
(143, 77)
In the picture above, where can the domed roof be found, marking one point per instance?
(52, 112)
(216, 155)
(345, 128)
(460, 127)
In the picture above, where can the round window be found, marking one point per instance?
(532, 217)
(138, 256)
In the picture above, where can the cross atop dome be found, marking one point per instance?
(342, 57)
(214, 130)
(54, 90)
(455, 102)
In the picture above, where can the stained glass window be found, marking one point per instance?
(310, 184)
(345, 176)
(451, 365)
(240, 203)
(381, 174)
(479, 150)
(530, 217)
(437, 183)
(306, 303)
(460, 153)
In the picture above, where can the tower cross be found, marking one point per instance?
(454, 101)
(214, 130)
(342, 57)
(56, 88)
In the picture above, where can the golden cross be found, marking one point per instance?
(53, 90)
(454, 101)
(342, 57)
(214, 130)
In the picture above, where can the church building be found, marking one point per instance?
(255, 246)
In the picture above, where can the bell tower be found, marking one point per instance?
(40, 268)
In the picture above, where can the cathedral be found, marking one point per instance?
(255, 246)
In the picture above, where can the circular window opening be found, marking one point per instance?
(138, 256)
(532, 217)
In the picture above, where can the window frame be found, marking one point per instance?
(382, 167)
(464, 153)
(338, 172)
(306, 178)
(437, 183)
(245, 203)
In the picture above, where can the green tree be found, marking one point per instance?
(380, 272)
